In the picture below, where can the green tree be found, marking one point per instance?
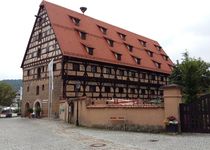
(193, 75)
(6, 94)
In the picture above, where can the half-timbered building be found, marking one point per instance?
(107, 61)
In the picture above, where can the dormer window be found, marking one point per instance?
(137, 60)
(117, 56)
(171, 66)
(149, 53)
(102, 29)
(89, 50)
(82, 35)
(165, 57)
(76, 21)
(110, 42)
(122, 36)
(157, 64)
(143, 43)
(129, 47)
(158, 47)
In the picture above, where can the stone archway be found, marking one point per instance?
(27, 106)
(37, 109)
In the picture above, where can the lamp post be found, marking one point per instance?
(77, 97)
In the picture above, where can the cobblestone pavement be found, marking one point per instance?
(43, 134)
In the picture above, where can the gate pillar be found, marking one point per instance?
(172, 98)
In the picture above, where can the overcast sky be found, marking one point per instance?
(177, 25)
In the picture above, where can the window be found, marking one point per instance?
(76, 21)
(129, 47)
(143, 75)
(93, 69)
(152, 92)
(40, 36)
(137, 60)
(132, 73)
(157, 64)
(121, 72)
(161, 78)
(110, 42)
(27, 88)
(39, 53)
(152, 77)
(76, 67)
(149, 53)
(42, 87)
(102, 29)
(39, 20)
(165, 57)
(120, 89)
(92, 88)
(107, 89)
(108, 70)
(132, 90)
(143, 43)
(54, 67)
(42, 68)
(82, 35)
(89, 50)
(171, 66)
(143, 91)
(117, 56)
(38, 73)
(28, 72)
(158, 47)
(122, 36)
(161, 92)
(37, 90)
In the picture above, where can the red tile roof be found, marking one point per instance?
(72, 45)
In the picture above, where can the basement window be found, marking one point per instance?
(102, 29)
(143, 43)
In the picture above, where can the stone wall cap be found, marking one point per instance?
(172, 86)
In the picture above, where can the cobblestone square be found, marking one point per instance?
(43, 134)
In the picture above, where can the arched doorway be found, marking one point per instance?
(38, 109)
(27, 106)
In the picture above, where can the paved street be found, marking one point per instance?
(42, 134)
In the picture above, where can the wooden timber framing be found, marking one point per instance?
(103, 80)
